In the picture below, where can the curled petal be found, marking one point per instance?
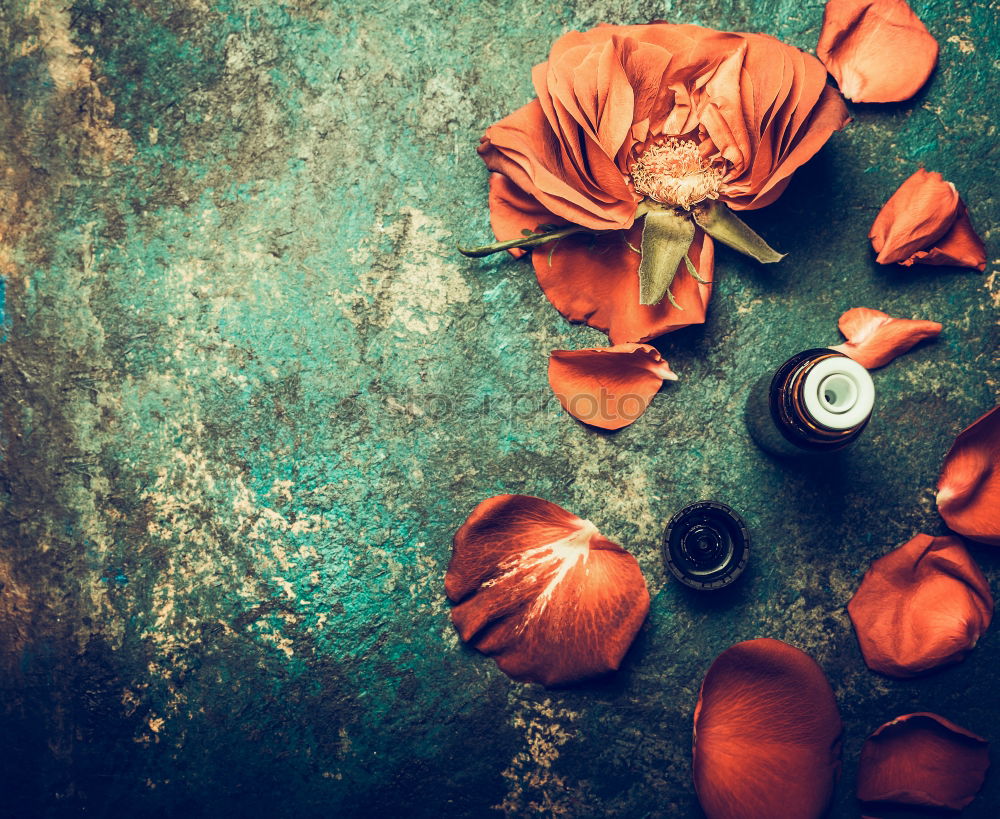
(521, 147)
(968, 496)
(960, 246)
(787, 142)
(876, 50)
(595, 280)
(767, 734)
(923, 605)
(926, 222)
(542, 591)
(922, 759)
(920, 212)
(875, 338)
(608, 387)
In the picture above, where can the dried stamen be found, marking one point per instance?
(674, 173)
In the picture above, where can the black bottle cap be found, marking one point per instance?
(707, 545)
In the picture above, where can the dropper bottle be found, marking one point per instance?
(817, 401)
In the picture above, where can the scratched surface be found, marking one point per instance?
(249, 391)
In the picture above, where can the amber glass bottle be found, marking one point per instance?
(818, 401)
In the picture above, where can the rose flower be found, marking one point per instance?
(642, 140)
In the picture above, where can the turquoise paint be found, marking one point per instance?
(293, 637)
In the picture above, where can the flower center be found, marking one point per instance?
(674, 173)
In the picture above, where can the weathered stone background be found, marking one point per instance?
(244, 376)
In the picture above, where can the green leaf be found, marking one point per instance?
(719, 222)
(666, 237)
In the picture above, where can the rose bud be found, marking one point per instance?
(543, 592)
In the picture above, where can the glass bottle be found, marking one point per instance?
(818, 401)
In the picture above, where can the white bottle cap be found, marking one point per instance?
(838, 393)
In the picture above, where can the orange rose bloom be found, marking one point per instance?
(669, 115)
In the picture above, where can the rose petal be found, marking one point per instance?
(875, 338)
(921, 211)
(922, 759)
(767, 734)
(968, 496)
(876, 50)
(596, 280)
(926, 222)
(923, 605)
(604, 82)
(608, 387)
(800, 124)
(521, 147)
(543, 592)
(512, 211)
(960, 246)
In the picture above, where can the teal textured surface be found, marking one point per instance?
(250, 390)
